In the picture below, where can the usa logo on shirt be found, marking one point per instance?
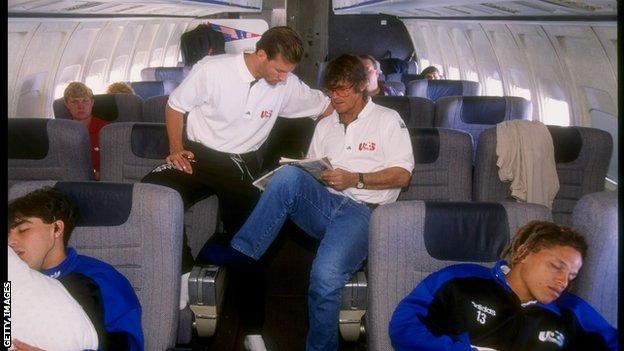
(266, 114)
(367, 146)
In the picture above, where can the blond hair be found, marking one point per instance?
(119, 88)
(77, 90)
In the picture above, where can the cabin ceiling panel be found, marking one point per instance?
(133, 7)
(468, 8)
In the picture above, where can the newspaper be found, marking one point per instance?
(312, 166)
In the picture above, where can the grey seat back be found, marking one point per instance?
(581, 158)
(408, 240)
(154, 109)
(443, 166)
(129, 151)
(474, 114)
(137, 228)
(398, 86)
(415, 111)
(48, 149)
(596, 217)
(435, 89)
(109, 107)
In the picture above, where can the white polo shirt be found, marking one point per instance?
(376, 140)
(227, 114)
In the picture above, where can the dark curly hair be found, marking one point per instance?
(537, 235)
(345, 68)
(47, 204)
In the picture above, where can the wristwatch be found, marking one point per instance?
(360, 183)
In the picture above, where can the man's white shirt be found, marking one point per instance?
(230, 114)
(376, 140)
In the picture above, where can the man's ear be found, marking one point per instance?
(262, 55)
(59, 228)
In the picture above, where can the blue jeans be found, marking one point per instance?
(341, 225)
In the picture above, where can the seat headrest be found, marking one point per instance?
(28, 138)
(425, 144)
(567, 142)
(148, 89)
(465, 231)
(483, 109)
(439, 88)
(169, 73)
(100, 204)
(149, 140)
(406, 78)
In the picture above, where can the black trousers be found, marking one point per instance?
(229, 176)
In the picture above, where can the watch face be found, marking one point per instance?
(360, 185)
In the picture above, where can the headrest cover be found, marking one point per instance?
(169, 73)
(465, 231)
(149, 141)
(105, 107)
(99, 204)
(483, 109)
(28, 138)
(440, 88)
(148, 89)
(400, 104)
(410, 77)
(425, 144)
(567, 142)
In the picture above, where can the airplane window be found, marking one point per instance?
(138, 64)
(424, 62)
(522, 92)
(493, 87)
(118, 69)
(453, 73)
(95, 79)
(472, 76)
(556, 112)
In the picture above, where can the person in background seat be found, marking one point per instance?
(374, 86)
(119, 88)
(79, 101)
(521, 303)
(430, 73)
(40, 225)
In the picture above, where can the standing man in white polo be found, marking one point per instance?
(232, 103)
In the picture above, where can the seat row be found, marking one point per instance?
(469, 113)
(39, 149)
(138, 229)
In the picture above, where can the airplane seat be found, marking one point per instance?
(581, 158)
(435, 89)
(48, 149)
(109, 107)
(175, 74)
(129, 152)
(596, 217)
(474, 114)
(408, 240)
(148, 89)
(443, 165)
(400, 87)
(393, 77)
(408, 77)
(148, 74)
(137, 228)
(154, 109)
(169, 86)
(412, 67)
(442, 172)
(415, 111)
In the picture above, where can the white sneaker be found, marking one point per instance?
(254, 343)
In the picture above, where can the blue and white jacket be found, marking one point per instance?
(106, 296)
(468, 304)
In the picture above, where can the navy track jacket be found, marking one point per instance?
(468, 304)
